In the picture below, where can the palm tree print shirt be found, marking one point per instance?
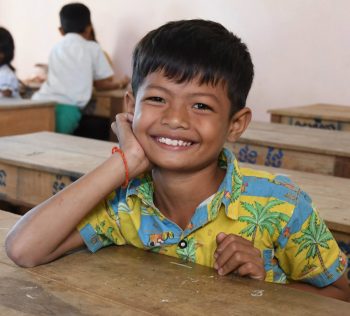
(269, 210)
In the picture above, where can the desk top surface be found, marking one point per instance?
(321, 110)
(132, 281)
(311, 140)
(53, 152)
(74, 156)
(10, 103)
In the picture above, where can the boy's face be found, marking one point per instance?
(181, 127)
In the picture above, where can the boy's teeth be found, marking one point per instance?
(173, 142)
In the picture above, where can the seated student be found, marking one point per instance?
(9, 84)
(76, 64)
(172, 189)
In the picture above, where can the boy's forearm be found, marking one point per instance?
(42, 230)
(338, 290)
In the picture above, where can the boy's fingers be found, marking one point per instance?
(121, 126)
(236, 252)
(243, 264)
(231, 239)
(130, 117)
(252, 270)
(233, 262)
(114, 128)
(220, 237)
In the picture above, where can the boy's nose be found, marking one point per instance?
(176, 117)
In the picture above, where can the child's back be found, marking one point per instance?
(9, 85)
(76, 64)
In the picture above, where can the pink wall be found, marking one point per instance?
(300, 48)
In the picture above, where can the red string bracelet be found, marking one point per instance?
(121, 153)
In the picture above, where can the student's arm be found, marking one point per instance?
(111, 83)
(49, 230)
(339, 289)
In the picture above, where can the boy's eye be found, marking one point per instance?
(201, 106)
(156, 99)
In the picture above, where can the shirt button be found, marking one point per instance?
(183, 244)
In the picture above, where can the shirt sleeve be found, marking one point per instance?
(306, 249)
(100, 227)
(101, 67)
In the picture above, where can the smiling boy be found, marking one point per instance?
(187, 197)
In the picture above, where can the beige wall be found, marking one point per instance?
(300, 48)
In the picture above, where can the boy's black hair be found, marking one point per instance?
(7, 47)
(186, 49)
(75, 17)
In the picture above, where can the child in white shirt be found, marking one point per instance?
(76, 64)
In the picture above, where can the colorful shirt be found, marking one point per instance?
(269, 210)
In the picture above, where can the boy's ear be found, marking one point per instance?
(238, 124)
(61, 30)
(129, 101)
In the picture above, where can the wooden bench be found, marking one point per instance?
(291, 147)
(325, 116)
(19, 116)
(128, 281)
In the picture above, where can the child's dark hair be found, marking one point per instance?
(75, 17)
(186, 49)
(7, 47)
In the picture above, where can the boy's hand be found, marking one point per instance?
(238, 255)
(135, 156)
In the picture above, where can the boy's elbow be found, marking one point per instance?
(19, 254)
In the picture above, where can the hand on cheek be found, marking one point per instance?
(238, 255)
(134, 153)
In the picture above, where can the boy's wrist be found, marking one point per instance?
(117, 150)
(135, 164)
(119, 166)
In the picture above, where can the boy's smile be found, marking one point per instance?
(182, 126)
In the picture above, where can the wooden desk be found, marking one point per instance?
(291, 147)
(325, 116)
(35, 166)
(129, 281)
(19, 116)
